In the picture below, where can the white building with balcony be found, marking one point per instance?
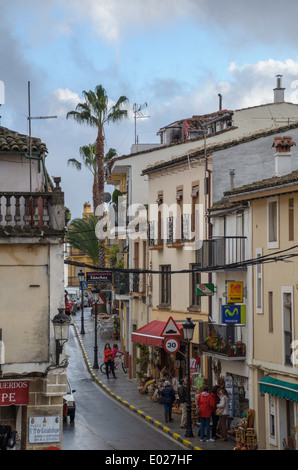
(32, 226)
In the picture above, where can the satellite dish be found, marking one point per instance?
(106, 197)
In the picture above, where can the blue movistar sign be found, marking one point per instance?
(233, 314)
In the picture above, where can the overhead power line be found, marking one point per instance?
(282, 255)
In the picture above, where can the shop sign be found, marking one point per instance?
(44, 429)
(234, 314)
(235, 292)
(205, 289)
(14, 392)
(92, 277)
(171, 345)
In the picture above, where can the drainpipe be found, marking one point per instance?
(40, 159)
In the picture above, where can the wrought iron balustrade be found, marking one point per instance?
(154, 234)
(219, 252)
(227, 340)
(129, 283)
(179, 229)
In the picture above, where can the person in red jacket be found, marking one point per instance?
(109, 360)
(205, 404)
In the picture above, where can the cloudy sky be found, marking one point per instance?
(176, 56)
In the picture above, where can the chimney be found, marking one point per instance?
(283, 155)
(279, 92)
(220, 101)
(232, 178)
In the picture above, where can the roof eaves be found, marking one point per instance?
(265, 184)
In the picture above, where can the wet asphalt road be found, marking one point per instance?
(100, 422)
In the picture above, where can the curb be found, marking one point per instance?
(140, 413)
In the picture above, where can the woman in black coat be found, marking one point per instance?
(168, 398)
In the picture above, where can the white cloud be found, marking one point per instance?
(248, 22)
(114, 18)
(62, 100)
(254, 83)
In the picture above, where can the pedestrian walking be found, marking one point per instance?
(109, 360)
(223, 406)
(182, 393)
(205, 404)
(214, 417)
(168, 398)
(116, 351)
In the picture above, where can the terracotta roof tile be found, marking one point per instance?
(267, 183)
(12, 141)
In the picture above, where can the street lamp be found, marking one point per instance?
(188, 331)
(81, 276)
(95, 293)
(61, 323)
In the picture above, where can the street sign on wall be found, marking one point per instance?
(44, 429)
(233, 314)
(205, 289)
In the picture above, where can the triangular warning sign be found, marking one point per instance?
(171, 329)
(100, 300)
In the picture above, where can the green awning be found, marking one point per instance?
(279, 388)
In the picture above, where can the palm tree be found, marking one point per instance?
(81, 235)
(87, 154)
(95, 112)
(109, 155)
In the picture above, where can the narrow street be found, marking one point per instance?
(101, 423)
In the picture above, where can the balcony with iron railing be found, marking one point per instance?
(222, 253)
(27, 214)
(154, 236)
(130, 283)
(178, 230)
(223, 341)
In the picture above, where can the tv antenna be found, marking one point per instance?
(137, 109)
(30, 140)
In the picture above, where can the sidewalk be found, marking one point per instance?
(125, 391)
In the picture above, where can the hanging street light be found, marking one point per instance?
(81, 276)
(95, 293)
(61, 323)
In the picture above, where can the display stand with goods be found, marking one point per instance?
(245, 437)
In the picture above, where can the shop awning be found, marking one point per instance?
(279, 388)
(150, 334)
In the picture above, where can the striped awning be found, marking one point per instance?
(279, 388)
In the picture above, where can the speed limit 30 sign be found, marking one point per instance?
(171, 345)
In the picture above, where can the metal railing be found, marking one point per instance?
(227, 340)
(129, 283)
(179, 229)
(154, 237)
(221, 251)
